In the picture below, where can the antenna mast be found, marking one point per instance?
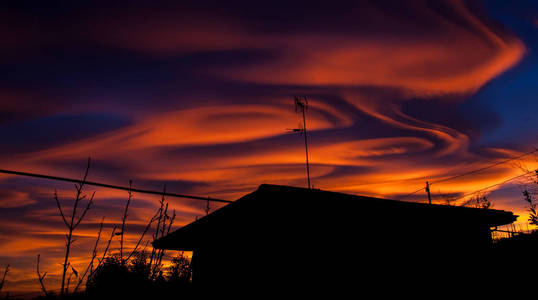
(301, 104)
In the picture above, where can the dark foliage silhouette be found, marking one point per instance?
(529, 193)
(137, 273)
(533, 216)
(135, 279)
(114, 278)
(180, 271)
(479, 201)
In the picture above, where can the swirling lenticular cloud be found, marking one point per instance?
(198, 96)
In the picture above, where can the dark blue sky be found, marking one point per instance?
(511, 96)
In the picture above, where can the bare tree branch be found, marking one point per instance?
(162, 227)
(68, 283)
(88, 206)
(145, 246)
(161, 251)
(154, 252)
(94, 255)
(60, 207)
(83, 181)
(166, 217)
(71, 224)
(124, 218)
(112, 234)
(171, 221)
(4, 277)
(41, 277)
(141, 238)
(533, 215)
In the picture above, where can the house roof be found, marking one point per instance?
(279, 208)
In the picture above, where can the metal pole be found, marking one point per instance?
(428, 191)
(306, 149)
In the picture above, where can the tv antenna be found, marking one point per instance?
(301, 106)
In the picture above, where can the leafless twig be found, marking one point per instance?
(72, 223)
(169, 225)
(154, 252)
(4, 278)
(141, 238)
(41, 277)
(68, 281)
(533, 214)
(100, 260)
(60, 208)
(171, 221)
(480, 200)
(94, 255)
(123, 220)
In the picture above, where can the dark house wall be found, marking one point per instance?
(337, 253)
(280, 237)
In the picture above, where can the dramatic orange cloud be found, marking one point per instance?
(455, 60)
(202, 101)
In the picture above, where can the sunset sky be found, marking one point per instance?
(199, 96)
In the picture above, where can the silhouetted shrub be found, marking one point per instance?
(108, 279)
(533, 215)
(180, 270)
(135, 279)
(117, 279)
(139, 268)
(479, 201)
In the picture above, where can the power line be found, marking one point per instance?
(473, 171)
(110, 186)
(494, 185)
(477, 191)
(410, 194)
(485, 168)
(19, 173)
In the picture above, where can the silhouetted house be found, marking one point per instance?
(287, 236)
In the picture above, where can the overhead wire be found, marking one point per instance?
(111, 186)
(493, 185)
(485, 168)
(473, 172)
